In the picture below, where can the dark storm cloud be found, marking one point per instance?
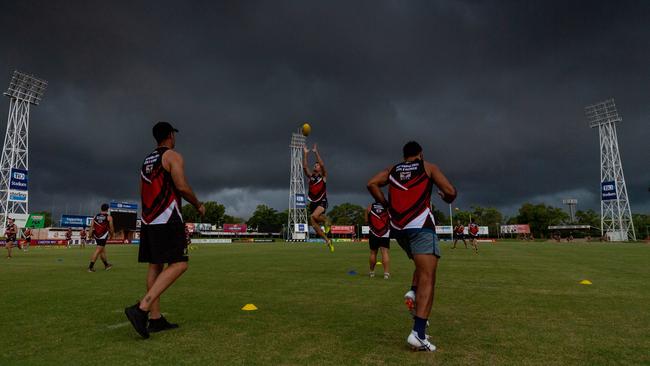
(493, 91)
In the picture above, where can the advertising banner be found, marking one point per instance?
(18, 196)
(35, 221)
(18, 179)
(301, 228)
(608, 190)
(234, 228)
(301, 201)
(365, 230)
(443, 229)
(203, 227)
(211, 241)
(76, 221)
(123, 206)
(342, 229)
(515, 229)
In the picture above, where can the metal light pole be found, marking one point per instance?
(297, 198)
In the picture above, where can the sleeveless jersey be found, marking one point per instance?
(379, 221)
(409, 196)
(10, 231)
(473, 229)
(160, 199)
(100, 226)
(82, 234)
(28, 234)
(68, 235)
(460, 229)
(317, 188)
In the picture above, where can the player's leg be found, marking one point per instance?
(475, 244)
(8, 245)
(385, 260)
(153, 273)
(316, 219)
(102, 255)
(453, 246)
(165, 279)
(373, 261)
(93, 258)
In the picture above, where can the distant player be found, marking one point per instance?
(317, 193)
(101, 229)
(162, 235)
(473, 235)
(68, 237)
(27, 234)
(410, 183)
(10, 233)
(459, 234)
(379, 222)
(188, 236)
(83, 235)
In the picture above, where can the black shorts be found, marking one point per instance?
(313, 205)
(165, 243)
(101, 242)
(473, 237)
(459, 236)
(376, 242)
(28, 240)
(11, 237)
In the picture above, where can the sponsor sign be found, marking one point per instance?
(608, 190)
(118, 241)
(446, 230)
(211, 241)
(365, 230)
(76, 221)
(301, 228)
(36, 221)
(234, 228)
(18, 179)
(203, 227)
(515, 229)
(342, 229)
(18, 196)
(301, 201)
(123, 206)
(267, 240)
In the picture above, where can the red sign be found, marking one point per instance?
(338, 229)
(234, 228)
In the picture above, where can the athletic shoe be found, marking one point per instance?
(91, 270)
(371, 274)
(160, 324)
(107, 268)
(331, 246)
(138, 319)
(419, 344)
(409, 300)
(386, 276)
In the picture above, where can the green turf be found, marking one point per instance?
(513, 304)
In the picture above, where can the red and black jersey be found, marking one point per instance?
(160, 198)
(82, 234)
(459, 229)
(473, 229)
(409, 193)
(11, 230)
(317, 188)
(101, 226)
(378, 220)
(68, 235)
(27, 233)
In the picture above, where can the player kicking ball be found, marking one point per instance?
(379, 239)
(459, 234)
(101, 229)
(317, 193)
(473, 235)
(409, 186)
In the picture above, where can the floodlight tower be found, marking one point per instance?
(24, 90)
(572, 203)
(615, 213)
(297, 228)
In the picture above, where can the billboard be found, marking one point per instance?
(35, 221)
(342, 229)
(608, 190)
(365, 230)
(301, 228)
(76, 221)
(515, 229)
(234, 228)
(123, 206)
(17, 196)
(301, 201)
(18, 179)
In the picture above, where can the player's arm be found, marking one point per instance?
(173, 162)
(92, 227)
(375, 183)
(305, 164)
(446, 191)
(367, 217)
(320, 161)
(111, 228)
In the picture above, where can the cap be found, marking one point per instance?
(162, 130)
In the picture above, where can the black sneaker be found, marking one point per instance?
(138, 319)
(160, 324)
(91, 269)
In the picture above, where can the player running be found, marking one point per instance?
(379, 222)
(10, 233)
(101, 229)
(68, 237)
(162, 234)
(459, 234)
(410, 183)
(83, 235)
(473, 235)
(317, 193)
(27, 234)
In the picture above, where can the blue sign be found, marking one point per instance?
(123, 206)
(76, 221)
(608, 191)
(18, 196)
(301, 202)
(18, 180)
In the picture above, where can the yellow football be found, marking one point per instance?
(306, 129)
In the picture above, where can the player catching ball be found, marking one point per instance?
(317, 193)
(379, 223)
(101, 229)
(409, 186)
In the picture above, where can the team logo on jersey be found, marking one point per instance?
(404, 176)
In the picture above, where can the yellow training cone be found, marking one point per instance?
(585, 282)
(379, 263)
(249, 307)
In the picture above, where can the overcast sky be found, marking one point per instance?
(494, 92)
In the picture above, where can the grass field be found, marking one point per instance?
(513, 304)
